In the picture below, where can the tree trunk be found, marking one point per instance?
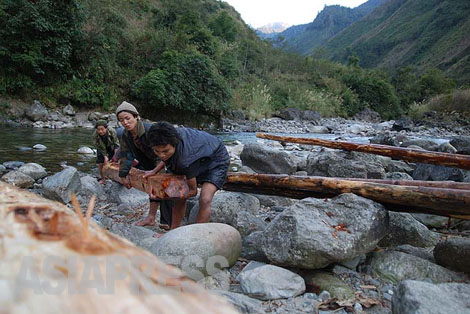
(53, 262)
(408, 154)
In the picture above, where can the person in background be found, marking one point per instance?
(134, 146)
(107, 143)
(201, 157)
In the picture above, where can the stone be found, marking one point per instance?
(68, 110)
(335, 164)
(34, 170)
(263, 159)
(269, 200)
(199, 249)
(404, 229)
(122, 195)
(85, 150)
(316, 243)
(423, 143)
(398, 176)
(454, 253)
(227, 205)
(461, 144)
(13, 164)
(427, 172)
(421, 252)
(218, 281)
(36, 112)
(252, 247)
(396, 266)
(60, 185)
(446, 147)
(18, 178)
(431, 221)
(40, 147)
(90, 186)
(289, 114)
(247, 223)
(423, 297)
(241, 302)
(320, 281)
(269, 282)
(135, 234)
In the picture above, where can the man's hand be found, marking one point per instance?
(149, 173)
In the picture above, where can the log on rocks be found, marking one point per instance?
(432, 184)
(163, 185)
(49, 264)
(431, 200)
(408, 154)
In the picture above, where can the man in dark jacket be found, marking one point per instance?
(106, 142)
(201, 157)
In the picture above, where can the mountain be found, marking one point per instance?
(271, 30)
(420, 33)
(304, 39)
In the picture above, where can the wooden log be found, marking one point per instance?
(164, 185)
(440, 201)
(408, 154)
(51, 264)
(432, 184)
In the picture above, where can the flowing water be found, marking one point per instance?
(16, 144)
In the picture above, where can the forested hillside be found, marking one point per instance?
(423, 34)
(306, 38)
(180, 60)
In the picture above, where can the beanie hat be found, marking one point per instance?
(101, 123)
(125, 106)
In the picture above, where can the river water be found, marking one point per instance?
(62, 145)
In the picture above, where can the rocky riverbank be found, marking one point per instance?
(279, 255)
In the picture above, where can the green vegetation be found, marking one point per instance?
(194, 59)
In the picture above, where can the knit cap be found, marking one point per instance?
(125, 106)
(101, 123)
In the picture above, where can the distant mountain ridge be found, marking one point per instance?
(304, 39)
(271, 30)
(420, 33)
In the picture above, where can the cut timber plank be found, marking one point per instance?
(49, 265)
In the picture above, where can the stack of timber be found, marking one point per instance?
(408, 154)
(53, 261)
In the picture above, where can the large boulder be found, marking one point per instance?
(90, 186)
(461, 144)
(423, 143)
(36, 112)
(335, 164)
(34, 170)
(19, 179)
(120, 194)
(68, 110)
(431, 221)
(396, 266)
(241, 302)
(226, 206)
(427, 172)
(314, 233)
(60, 185)
(199, 249)
(252, 247)
(337, 288)
(247, 223)
(404, 229)
(269, 282)
(13, 164)
(140, 236)
(263, 159)
(289, 114)
(454, 253)
(413, 297)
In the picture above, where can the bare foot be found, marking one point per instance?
(147, 221)
(164, 226)
(159, 235)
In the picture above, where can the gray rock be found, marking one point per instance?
(269, 282)
(404, 229)
(135, 234)
(310, 115)
(401, 166)
(13, 164)
(289, 114)
(395, 266)
(199, 249)
(252, 247)
(247, 223)
(431, 221)
(34, 170)
(68, 110)
(461, 144)
(85, 150)
(263, 159)
(18, 178)
(423, 143)
(60, 185)
(269, 201)
(40, 147)
(36, 112)
(323, 281)
(429, 172)
(424, 253)
(454, 253)
(90, 186)
(318, 129)
(122, 195)
(304, 235)
(243, 303)
(226, 206)
(2, 168)
(218, 281)
(447, 148)
(426, 298)
(335, 164)
(368, 115)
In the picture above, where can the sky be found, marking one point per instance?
(258, 13)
